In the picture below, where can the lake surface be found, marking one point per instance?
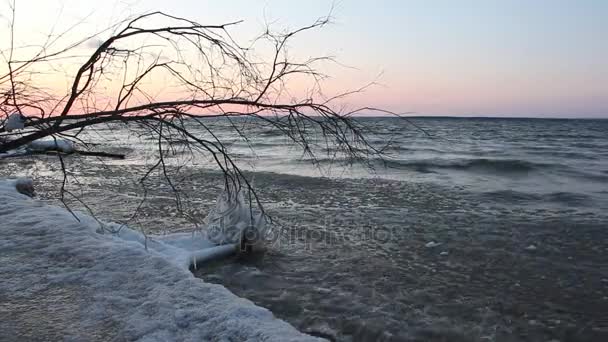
(469, 230)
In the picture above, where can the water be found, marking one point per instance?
(521, 155)
(518, 208)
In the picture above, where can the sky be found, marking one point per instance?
(534, 58)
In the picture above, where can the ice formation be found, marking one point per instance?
(42, 145)
(60, 145)
(62, 280)
(14, 122)
(234, 218)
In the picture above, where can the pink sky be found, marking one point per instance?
(541, 58)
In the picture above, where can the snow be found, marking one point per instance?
(64, 280)
(15, 121)
(41, 145)
(61, 145)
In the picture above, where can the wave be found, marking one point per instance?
(430, 165)
(598, 177)
(564, 154)
(256, 144)
(391, 149)
(586, 145)
(517, 197)
(477, 164)
(567, 198)
(271, 133)
(511, 196)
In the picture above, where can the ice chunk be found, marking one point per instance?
(61, 145)
(432, 244)
(15, 121)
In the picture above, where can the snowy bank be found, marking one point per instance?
(61, 280)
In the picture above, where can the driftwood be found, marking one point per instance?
(81, 152)
(101, 154)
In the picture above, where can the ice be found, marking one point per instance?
(63, 280)
(61, 145)
(42, 145)
(181, 249)
(234, 217)
(13, 153)
(432, 244)
(14, 122)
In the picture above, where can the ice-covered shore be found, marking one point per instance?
(61, 280)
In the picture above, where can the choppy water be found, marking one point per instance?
(517, 208)
(523, 156)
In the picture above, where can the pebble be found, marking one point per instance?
(444, 253)
(531, 248)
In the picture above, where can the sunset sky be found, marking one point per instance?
(540, 58)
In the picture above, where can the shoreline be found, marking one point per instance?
(62, 280)
(489, 282)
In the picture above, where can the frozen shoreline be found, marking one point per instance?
(63, 280)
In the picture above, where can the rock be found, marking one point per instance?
(25, 186)
(444, 253)
(531, 248)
